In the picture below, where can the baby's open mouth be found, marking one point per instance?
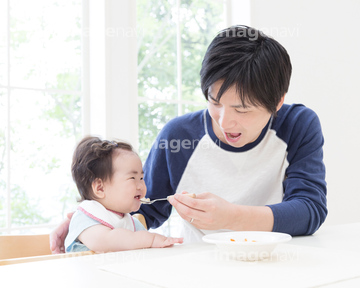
(137, 197)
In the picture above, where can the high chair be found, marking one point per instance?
(27, 248)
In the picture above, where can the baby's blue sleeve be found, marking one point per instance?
(79, 222)
(138, 225)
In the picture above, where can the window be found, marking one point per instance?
(55, 74)
(173, 36)
(40, 111)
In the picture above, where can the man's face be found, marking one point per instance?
(232, 123)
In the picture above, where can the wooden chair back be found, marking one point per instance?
(16, 249)
(16, 246)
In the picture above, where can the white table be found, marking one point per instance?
(333, 247)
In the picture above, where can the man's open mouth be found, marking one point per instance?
(232, 137)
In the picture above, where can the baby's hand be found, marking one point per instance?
(161, 241)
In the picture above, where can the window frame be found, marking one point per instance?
(109, 44)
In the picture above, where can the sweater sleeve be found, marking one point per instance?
(303, 208)
(166, 163)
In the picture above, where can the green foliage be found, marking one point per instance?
(34, 37)
(67, 197)
(157, 49)
(67, 107)
(200, 23)
(200, 20)
(157, 82)
(23, 212)
(152, 117)
(2, 150)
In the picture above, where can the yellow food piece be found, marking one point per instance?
(245, 240)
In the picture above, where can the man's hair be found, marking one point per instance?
(92, 159)
(256, 64)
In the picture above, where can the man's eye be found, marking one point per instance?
(215, 103)
(244, 111)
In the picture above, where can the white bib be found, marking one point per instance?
(109, 218)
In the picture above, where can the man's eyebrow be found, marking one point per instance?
(239, 106)
(233, 106)
(212, 98)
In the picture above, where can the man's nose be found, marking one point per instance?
(227, 119)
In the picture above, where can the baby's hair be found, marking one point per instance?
(92, 160)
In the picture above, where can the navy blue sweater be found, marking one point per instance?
(282, 169)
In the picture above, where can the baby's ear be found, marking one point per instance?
(98, 188)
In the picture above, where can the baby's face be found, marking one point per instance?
(126, 187)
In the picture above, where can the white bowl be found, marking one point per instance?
(247, 245)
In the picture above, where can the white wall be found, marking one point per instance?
(322, 38)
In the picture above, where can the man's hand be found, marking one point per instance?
(210, 212)
(58, 235)
(206, 211)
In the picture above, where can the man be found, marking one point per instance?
(253, 162)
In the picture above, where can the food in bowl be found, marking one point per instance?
(245, 240)
(247, 245)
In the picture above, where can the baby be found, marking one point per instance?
(109, 178)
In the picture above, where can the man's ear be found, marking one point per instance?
(98, 188)
(280, 103)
